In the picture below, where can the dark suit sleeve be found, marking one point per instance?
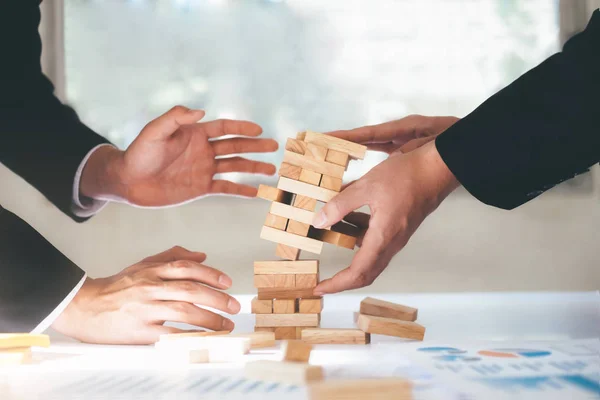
(541, 130)
(41, 139)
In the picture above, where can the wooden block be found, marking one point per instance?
(176, 336)
(275, 281)
(337, 157)
(275, 221)
(322, 167)
(345, 228)
(225, 348)
(292, 373)
(272, 194)
(332, 237)
(18, 340)
(310, 177)
(290, 171)
(360, 389)
(310, 306)
(298, 228)
(390, 327)
(331, 183)
(285, 332)
(296, 351)
(284, 306)
(293, 212)
(305, 281)
(287, 320)
(335, 336)
(258, 340)
(287, 252)
(184, 356)
(305, 203)
(286, 267)
(315, 151)
(261, 306)
(355, 150)
(301, 135)
(15, 356)
(305, 189)
(289, 239)
(279, 293)
(295, 146)
(299, 331)
(386, 309)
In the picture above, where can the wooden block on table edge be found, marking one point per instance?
(287, 252)
(306, 190)
(289, 239)
(290, 171)
(310, 177)
(275, 281)
(273, 194)
(280, 293)
(310, 306)
(322, 167)
(284, 306)
(331, 183)
(297, 228)
(18, 340)
(304, 203)
(386, 309)
(390, 327)
(338, 157)
(276, 222)
(296, 350)
(295, 146)
(335, 336)
(286, 267)
(315, 151)
(284, 372)
(295, 320)
(332, 237)
(259, 306)
(359, 389)
(306, 281)
(354, 150)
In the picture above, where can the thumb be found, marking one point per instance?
(341, 205)
(169, 122)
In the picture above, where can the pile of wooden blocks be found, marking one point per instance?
(311, 172)
(386, 318)
(15, 348)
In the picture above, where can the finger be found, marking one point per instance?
(155, 331)
(222, 127)
(381, 147)
(236, 189)
(178, 311)
(401, 130)
(169, 122)
(359, 219)
(416, 143)
(243, 145)
(240, 164)
(195, 293)
(176, 253)
(193, 271)
(341, 205)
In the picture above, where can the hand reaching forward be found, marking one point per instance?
(174, 159)
(132, 306)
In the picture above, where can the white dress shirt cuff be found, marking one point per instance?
(86, 207)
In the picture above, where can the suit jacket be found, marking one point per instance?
(537, 132)
(44, 142)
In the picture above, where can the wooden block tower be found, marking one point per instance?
(311, 172)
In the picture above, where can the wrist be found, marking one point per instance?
(68, 321)
(101, 175)
(443, 180)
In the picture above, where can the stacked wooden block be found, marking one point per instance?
(311, 172)
(15, 348)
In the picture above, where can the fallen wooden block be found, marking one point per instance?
(275, 281)
(294, 320)
(276, 222)
(354, 150)
(331, 183)
(386, 309)
(261, 306)
(360, 389)
(292, 212)
(273, 194)
(284, 306)
(290, 171)
(289, 239)
(15, 356)
(258, 340)
(337, 157)
(18, 340)
(321, 167)
(176, 336)
(390, 327)
(310, 306)
(286, 267)
(310, 177)
(335, 336)
(296, 145)
(279, 293)
(306, 281)
(305, 189)
(287, 252)
(304, 202)
(296, 350)
(297, 228)
(283, 372)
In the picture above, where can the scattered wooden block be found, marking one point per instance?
(304, 189)
(275, 221)
(286, 267)
(289, 239)
(273, 194)
(19, 340)
(335, 336)
(390, 327)
(293, 212)
(287, 320)
(322, 167)
(331, 183)
(310, 306)
(287, 252)
(305, 203)
(310, 177)
(337, 157)
(296, 351)
(386, 309)
(284, 306)
(295, 146)
(279, 293)
(315, 151)
(297, 228)
(360, 389)
(176, 336)
(292, 373)
(332, 237)
(290, 171)
(225, 348)
(354, 150)
(261, 306)
(275, 281)
(15, 356)
(306, 281)
(258, 340)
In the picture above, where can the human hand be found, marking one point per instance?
(132, 306)
(400, 192)
(173, 160)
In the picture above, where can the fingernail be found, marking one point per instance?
(318, 293)
(233, 306)
(227, 325)
(225, 280)
(320, 220)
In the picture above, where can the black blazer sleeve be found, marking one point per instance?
(41, 139)
(541, 130)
